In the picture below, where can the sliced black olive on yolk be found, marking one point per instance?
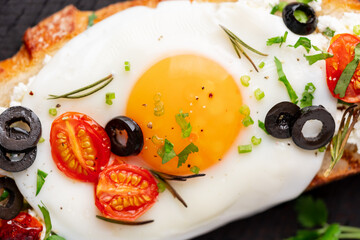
(12, 161)
(296, 26)
(323, 137)
(280, 119)
(13, 133)
(10, 207)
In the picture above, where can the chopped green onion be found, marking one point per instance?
(259, 94)
(356, 29)
(347, 74)
(329, 32)
(277, 40)
(91, 19)
(322, 149)
(195, 169)
(167, 152)
(161, 187)
(244, 110)
(53, 112)
(184, 125)
(278, 7)
(40, 180)
(261, 65)
(245, 148)
(109, 97)
(245, 80)
(159, 105)
(255, 140)
(127, 66)
(247, 121)
(41, 140)
(4, 195)
(317, 57)
(301, 16)
(307, 95)
(283, 79)
(303, 41)
(183, 155)
(262, 126)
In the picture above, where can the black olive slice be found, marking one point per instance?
(16, 138)
(134, 139)
(327, 131)
(14, 202)
(293, 24)
(280, 119)
(17, 161)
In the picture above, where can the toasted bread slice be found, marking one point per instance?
(48, 36)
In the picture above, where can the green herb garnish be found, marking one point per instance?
(347, 74)
(123, 222)
(305, 1)
(4, 195)
(91, 19)
(109, 97)
(245, 80)
(159, 109)
(317, 57)
(127, 66)
(55, 237)
(245, 148)
(247, 121)
(277, 40)
(322, 149)
(259, 94)
(278, 7)
(255, 141)
(356, 29)
(41, 140)
(195, 169)
(283, 79)
(167, 152)
(244, 110)
(261, 65)
(49, 235)
(161, 187)
(78, 93)
(262, 126)
(238, 44)
(329, 32)
(303, 41)
(307, 95)
(301, 16)
(53, 112)
(184, 125)
(40, 180)
(183, 155)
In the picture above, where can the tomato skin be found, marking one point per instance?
(80, 147)
(23, 226)
(125, 192)
(342, 47)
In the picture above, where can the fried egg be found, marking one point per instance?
(179, 56)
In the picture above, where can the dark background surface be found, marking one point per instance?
(342, 198)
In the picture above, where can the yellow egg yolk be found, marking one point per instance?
(209, 100)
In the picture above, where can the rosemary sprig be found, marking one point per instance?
(72, 95)
(123, 222)
(238, 44)
(177, 177)
(337, 144)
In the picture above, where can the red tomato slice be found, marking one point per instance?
(125, 192)
(80, 147)
(23, 226)
(342, 46)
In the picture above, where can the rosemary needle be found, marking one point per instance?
(71, 95)
(123, 222)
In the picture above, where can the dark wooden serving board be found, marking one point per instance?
(342, 198)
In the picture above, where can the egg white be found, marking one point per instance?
(240, 185)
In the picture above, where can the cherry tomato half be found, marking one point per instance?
(23, 226)
(80, 147)
(125, 192)
(342, 46)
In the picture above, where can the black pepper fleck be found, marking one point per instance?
(58, 105)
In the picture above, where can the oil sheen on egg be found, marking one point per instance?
(181, 57)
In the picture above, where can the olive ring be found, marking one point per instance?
(15, 200)
(293, 24)
(16, 166)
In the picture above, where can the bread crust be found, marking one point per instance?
(47, 37)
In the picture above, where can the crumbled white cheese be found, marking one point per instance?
(264, 4)
(344, 25)
(316, 5)
(19, 92)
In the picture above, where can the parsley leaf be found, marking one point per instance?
(40, 180)
(301, 16)
(305, 1)
(306, 235)
(332, 232)
(283, 79)
(311, 212)
(184, 125)
(47, 220)
(307, 95)
(320, 56)
(303, 41)
(167, 152)
(183, 155)
(277, 40)
(4, 195)
(278, 7)
(91, 19)
(329, 32)
(55, 237)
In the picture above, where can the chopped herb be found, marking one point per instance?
(123, 222)
(53, 112)
(245, 148)
(278, 7)
(317, 57)
(195, 169)
(109, 97)
(41, 140)
(244, 110)
(322, 149)
(159, 109)
(307, 95)
(356, 29)
(55, 237)
(301, 16)
(4, 195)
(305, 1)
(283, 79)
(277, 40)
(262, 126)
(247, 121)
(184, 125)
(127, 66)
(161, 187)
(255, 141)
(316, 48)
(347, 74)
(303, 41)
(47, 220)
(167, 152)
(245, 80)
(72, 94)
(91, 19)
(329, 32)
(40, 180)
(259, 94)
(311, 213)
(261, 65)
(183, 155)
